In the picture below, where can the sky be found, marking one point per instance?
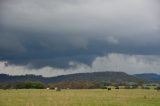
(57, 37)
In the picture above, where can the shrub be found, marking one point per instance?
(103, 87)
(29, 85)
(145, 87)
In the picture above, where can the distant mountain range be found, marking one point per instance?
(149, 77)
(116, 77)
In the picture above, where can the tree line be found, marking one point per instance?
(23, 85)
(71, 85)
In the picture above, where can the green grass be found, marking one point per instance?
(97, 97)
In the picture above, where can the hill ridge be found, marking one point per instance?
(93, 76)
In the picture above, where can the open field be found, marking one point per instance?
(97, 97)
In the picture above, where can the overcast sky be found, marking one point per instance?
(54, 37)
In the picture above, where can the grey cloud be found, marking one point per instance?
(55, 32)
(131, 64)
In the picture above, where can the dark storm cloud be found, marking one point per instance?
(55, 32)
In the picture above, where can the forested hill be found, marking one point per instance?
(149, 76)
(95, 76)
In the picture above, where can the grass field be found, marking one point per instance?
(97, 97)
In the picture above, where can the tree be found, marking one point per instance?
(29, 85)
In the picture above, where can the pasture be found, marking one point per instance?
(96, 97)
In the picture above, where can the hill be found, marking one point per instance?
(149, 76)
(116, 77)
(98, 76)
